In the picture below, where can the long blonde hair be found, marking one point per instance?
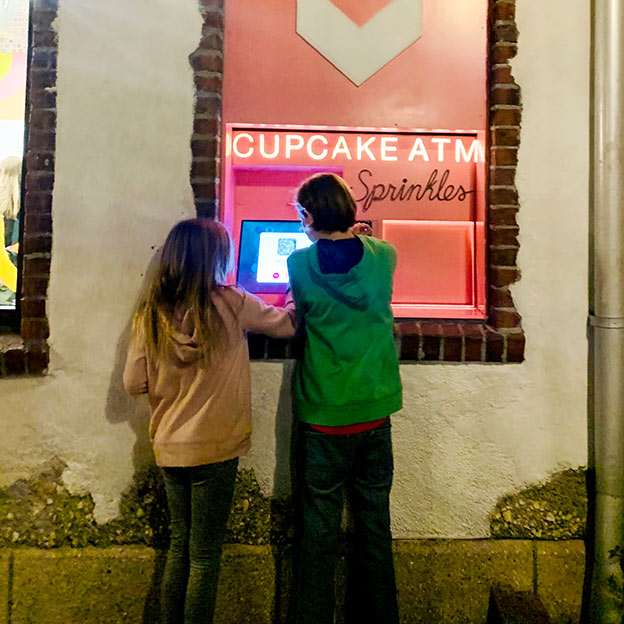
(10, 187)
(195, 261)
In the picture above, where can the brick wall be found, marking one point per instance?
(28, 352)
(207, 63)
(500, 338)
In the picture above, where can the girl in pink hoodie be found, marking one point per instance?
(189, 354)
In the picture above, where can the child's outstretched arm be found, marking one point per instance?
(258, 317)
(135, 371)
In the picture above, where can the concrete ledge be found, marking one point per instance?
(439, 581)
(560, 570)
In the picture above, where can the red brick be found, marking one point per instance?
(37, 182)
(206, 61)
(503, 216)
(42, 78)
(34, 286)
(211, 5)
(503, 276)
(505, 136)
(209, 84)
(42, 5)
(213, 19)
(505, 116)
(208, 105)
(39, 223)
(430, 329)
(472, 348)
(515, 347)
(33, 329)
(204, 191)
(40, 161)
(206, 208)
(503, 176)
(410, 348)
(503, 195)
(505, 256)
(42, 141)
(33, 307)
(452, 349)
(431, 347)
(502, 74)
(504, 318)
(451, 330)
(501, 298)
(43, 18)
(505, 31)
(503, 51)
(203, 169)
(38, 202)
(206, 126)
(36, 266)
(504, 156)
(408, 328)
(37, 243)
(42, 98)
(37, 360)
(473, 330)
(504, 11)
(15, 362)
(204, 148)
(503, 236)
(505, 94)
(45, 39)
(42, 120)
(212, 39)
(494, 347)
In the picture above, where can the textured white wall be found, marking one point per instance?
(467, 434)
(125, 117)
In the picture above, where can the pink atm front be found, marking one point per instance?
(423, 191)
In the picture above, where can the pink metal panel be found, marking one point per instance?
(273, 76)
(435, 261)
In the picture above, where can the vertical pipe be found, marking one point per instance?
(606, 311)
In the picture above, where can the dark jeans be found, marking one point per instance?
(361, 466)
(199, 499)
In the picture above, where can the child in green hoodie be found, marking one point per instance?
(345, 388)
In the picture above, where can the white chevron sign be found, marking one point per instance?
(359, 51)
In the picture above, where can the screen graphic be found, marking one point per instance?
(264, 249)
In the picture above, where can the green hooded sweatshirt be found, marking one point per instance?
(349, 372)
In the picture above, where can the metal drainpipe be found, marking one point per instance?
(606, 311)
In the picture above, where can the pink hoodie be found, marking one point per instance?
(201, 412)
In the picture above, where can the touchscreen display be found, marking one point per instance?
(264, 250)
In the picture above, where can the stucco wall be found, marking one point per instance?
(467, 434)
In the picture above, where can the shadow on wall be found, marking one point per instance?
(120, 408)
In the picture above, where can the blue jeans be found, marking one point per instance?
(199, 500)
(360, 465)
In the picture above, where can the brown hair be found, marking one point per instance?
(328, 199)
(195, 261)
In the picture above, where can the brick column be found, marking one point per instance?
(207, 63)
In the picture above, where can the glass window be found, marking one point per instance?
(13, 65)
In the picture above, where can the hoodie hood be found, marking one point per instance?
(356, 288)
(185, 347)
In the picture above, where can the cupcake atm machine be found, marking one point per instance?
(423, 191)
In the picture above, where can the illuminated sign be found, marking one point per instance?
(422, 190)
(355, 146)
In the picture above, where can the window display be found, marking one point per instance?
(13, 61)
